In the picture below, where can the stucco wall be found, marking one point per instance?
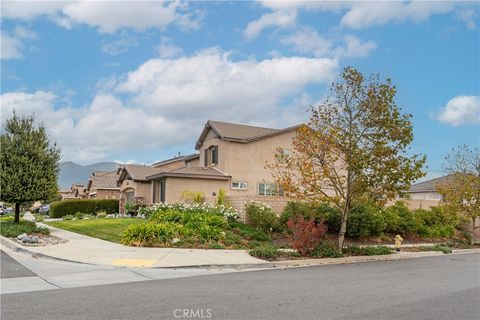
(245, 162)
(107, 194)
(174, 187)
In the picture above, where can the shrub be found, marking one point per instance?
(367, 251)
(79, 216)
(68, 217)
(101, 214)
(193, 196)
(306, 234)
(265, 251)
(216, 246)
(10, 229)
(365, 220)
(151, 234)
(202, 208)
(59, 209)
(39, 218)
(331, 215)
(261, 216)
(248, 232)
(326, 250)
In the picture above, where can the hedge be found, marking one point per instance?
(59, 209)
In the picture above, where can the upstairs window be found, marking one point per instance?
(211, 155)
(269, 189)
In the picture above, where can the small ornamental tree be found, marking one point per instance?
(354, 147)
(29, 163)
(461, 190)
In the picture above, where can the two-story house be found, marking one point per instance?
(102, 185)
(232, 157)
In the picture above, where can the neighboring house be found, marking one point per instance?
(134, 187)
(232, 157)
(66, 194)
(102, 185)
(78, 190)
(424, 195)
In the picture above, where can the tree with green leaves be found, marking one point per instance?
(461, 191)
(354, 148)
(29, 163)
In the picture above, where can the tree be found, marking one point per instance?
(353, 148)
(29, 163)
(461, 191)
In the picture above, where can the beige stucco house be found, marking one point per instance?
(78, 190)
(423, 195)
(232, 157)
(102, 185)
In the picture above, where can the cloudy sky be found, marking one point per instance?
(136, 81)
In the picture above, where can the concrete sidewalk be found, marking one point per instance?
(84, 249)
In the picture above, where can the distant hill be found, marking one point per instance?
(70, 172)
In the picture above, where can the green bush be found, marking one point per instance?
(79, 216)
(248, 232)
(101, 214)
(326, 250)
(365, 220)
(261, 216)
(265, 251)
(59, 209)
(68, 217)
(438, 247)
(10, 229)
(151, 234)
(367, 251)
(318, 211)
(216, 246)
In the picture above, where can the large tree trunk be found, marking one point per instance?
(17, 212)
(343, 225)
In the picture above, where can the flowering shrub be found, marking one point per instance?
(203, 208)
(260, 215)
(151, 234)
(306, 234)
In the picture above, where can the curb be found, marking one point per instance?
(263, 265)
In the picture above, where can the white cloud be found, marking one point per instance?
(119, 45)
(355, 47)
(11, 47)
(307, 40)
(461, 110)
(168, 102)
(106, 16)
(280, 19)
(166, 48)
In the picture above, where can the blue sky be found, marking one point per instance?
(136, 81)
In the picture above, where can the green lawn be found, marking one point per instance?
(109, 229)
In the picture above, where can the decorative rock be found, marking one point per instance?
(175, 240)
(28, 217)
(111, 215)
(30, 239)
(21, 236)
(129, 215)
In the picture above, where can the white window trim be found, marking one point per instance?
(238, 188)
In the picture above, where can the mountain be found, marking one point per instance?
(70, 172)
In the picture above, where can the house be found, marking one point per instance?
(78, 190)
(134, 187)
(424, 195)
(102, 185)
(66, 194)
(232, 157)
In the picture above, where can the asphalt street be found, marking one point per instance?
(443, 287)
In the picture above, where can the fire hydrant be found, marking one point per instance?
(398, 242)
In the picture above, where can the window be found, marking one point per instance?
(239, 185)
(211, 155)
(269, 189)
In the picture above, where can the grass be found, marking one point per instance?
(109, 229)
(10, 229)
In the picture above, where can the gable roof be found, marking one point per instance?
(192, 172)
(430, 185)
(103, 180)
(239, 132)
(175, 159)
(136, 172)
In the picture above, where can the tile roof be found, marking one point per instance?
(430, 185)
(103, 179)
(178, 158)
(192, 172)
(139, 172)
(239, 132)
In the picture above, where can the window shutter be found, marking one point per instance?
(205, 157)
(215, 155)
